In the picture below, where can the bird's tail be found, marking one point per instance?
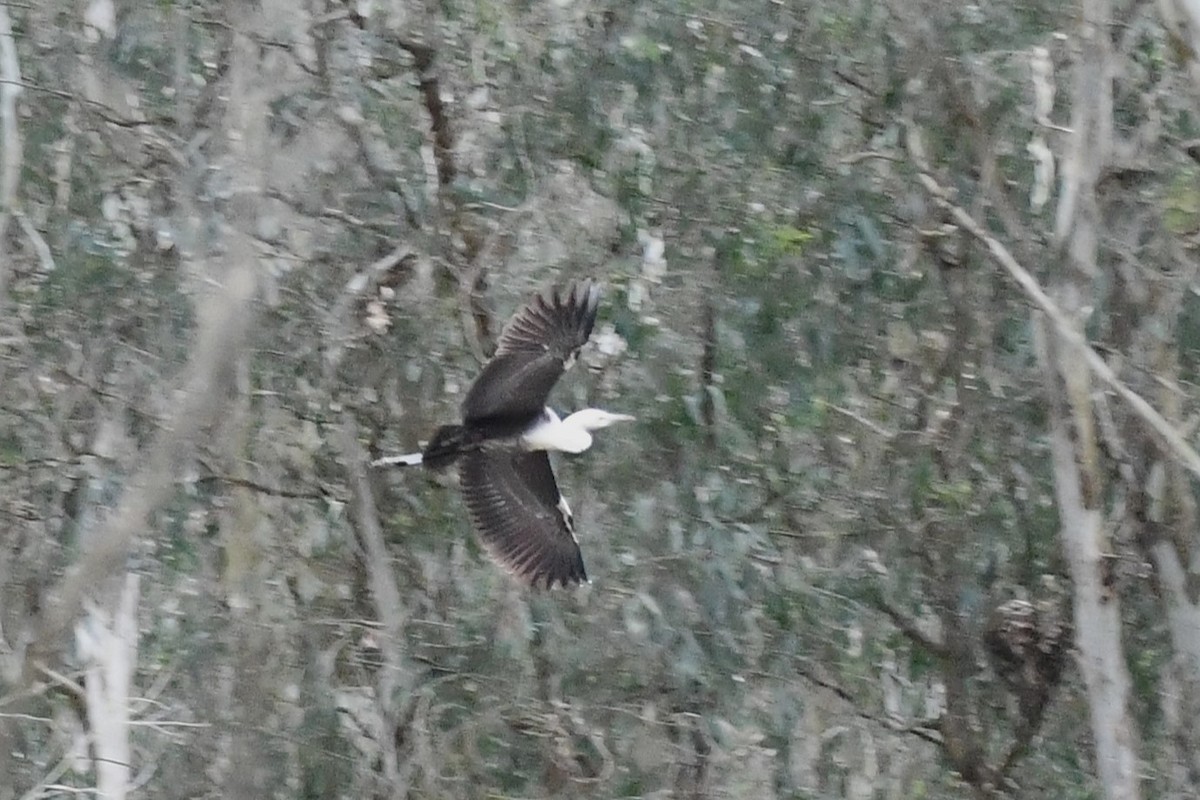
(407, 460)
(448, 443)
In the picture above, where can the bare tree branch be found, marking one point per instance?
(377, 562)
(424, 58)
(262, 488)
(1173, 442)
(857, 707)
(225, 318)
(340, 321)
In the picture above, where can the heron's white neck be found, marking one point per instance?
(552, 433)
(570, 435)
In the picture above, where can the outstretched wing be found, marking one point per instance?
(537, 345)
(522, 519)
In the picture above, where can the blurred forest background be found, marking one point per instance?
(903, 294)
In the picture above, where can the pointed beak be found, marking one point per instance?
(623, 418)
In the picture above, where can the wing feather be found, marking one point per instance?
(536, 346)
(513, 501)
(560, 322)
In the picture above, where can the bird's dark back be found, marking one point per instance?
(451, 441)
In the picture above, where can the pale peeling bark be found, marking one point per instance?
(1075, 454)
(1097, 607)
(109, 651)
(1183, 616)
(10, 137)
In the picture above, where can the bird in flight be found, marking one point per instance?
(507, 430)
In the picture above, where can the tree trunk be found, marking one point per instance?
(1097, 606)
(1076, 456)
(1171, 538)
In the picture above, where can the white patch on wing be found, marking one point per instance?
(568, 517)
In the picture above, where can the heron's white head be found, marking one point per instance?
(593, 419)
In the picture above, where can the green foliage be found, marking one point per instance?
(87, 273)
(787, 240)
(325, 760)
(1181, 213)
(11, 452)
(180, 552)
(955, 497)
(1146, 665)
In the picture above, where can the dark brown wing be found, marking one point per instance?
(536, 346)
(515, 505)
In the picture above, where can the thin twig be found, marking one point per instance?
(339, 318)
(245, 483)
(45, 257)
(262, 488)
(911, 628)
(845, 696)
(861, 420)
(866, 155)
(51, 779)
